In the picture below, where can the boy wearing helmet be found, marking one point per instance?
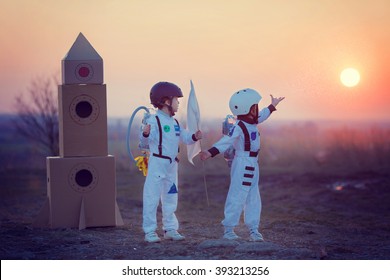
(243, 192)
(163, 134)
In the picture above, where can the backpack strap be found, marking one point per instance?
(159, 135)
(178, 149)
(247, 141)
(160, 155)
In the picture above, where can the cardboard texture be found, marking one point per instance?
(82, 64)
(81, 184)
(82, 192)
(82, 120)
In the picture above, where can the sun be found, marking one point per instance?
(350, 77)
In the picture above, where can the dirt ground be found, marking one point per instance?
(304, 217)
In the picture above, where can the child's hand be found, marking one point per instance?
(275, 100)
(146, 130)
(204, 155)
(198, 135)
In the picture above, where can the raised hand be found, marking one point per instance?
(275, 100)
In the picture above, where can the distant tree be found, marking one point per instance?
(37, 114)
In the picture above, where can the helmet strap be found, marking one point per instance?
(169, 107)
(255, 114)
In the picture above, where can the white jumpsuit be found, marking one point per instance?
(161, 180)
(243, 192)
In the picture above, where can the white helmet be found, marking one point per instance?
(241, 101)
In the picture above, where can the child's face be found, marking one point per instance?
(175, 104)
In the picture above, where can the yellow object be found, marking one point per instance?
(142, 164)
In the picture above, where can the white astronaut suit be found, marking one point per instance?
(244, 194)
(161, 181)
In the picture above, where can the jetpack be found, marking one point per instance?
(227, 126)
(142, 160)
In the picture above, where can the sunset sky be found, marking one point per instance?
(295, 49)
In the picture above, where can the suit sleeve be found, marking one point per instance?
(186, 137)
(153, 135)
(265, 113)
(225, 142)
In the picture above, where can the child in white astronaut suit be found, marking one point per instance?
(243, 192)
(163, 134)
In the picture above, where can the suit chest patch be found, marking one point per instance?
(177, 130)
(167, 128)
(253, 135)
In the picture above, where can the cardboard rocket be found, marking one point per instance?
(81, 183)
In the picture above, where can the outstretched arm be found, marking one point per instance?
(266, 112)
